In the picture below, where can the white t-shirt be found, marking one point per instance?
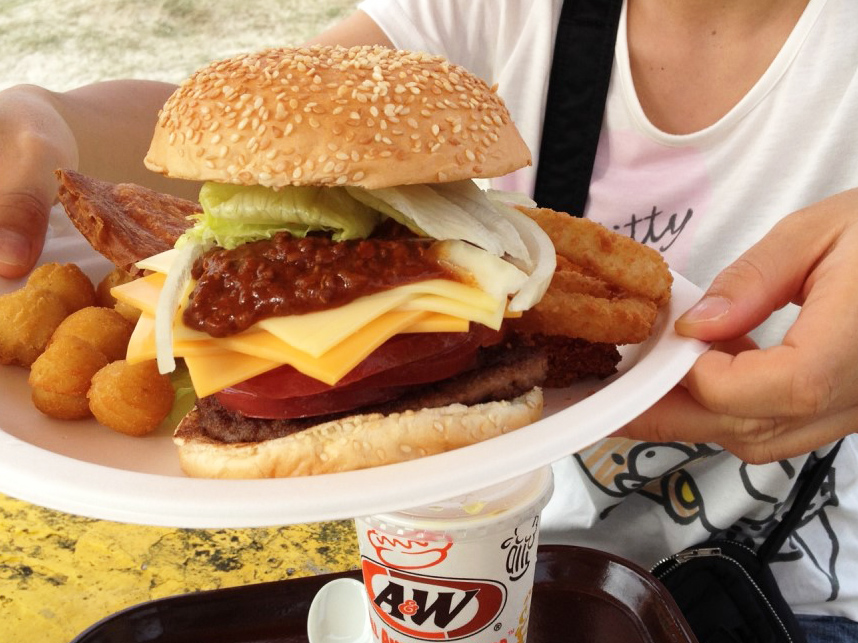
(701, 199)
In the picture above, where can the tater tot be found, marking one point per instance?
(106, 329)
(131, 398)
(61, 406)
(65, 280)
(62, 372)
(103, 297)
(115, 277)
(128, 311)
(28, 318)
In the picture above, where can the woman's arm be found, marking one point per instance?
(102, 130)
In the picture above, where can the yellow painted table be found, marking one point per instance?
(61, 573)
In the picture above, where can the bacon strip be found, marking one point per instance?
(124, 222)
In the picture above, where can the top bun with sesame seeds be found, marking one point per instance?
(370, 117)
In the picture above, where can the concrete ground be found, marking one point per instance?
(62, 44)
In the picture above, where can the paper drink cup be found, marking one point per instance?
(458, 570)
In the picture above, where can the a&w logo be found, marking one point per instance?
(405, 553)
(432, 608)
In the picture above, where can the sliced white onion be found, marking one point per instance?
(463, 211)
(513, 198)
(470, 198)
(169, 300)
(542, 254)
(436, 216)
(493, 275)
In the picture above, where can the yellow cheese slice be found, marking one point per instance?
(438, 304)
(325, 345)
(186, 341)
(438, 323)
(212, 372)
(216, 371)
(141, 293)
(141, 346)
(206, 358)
(342, 358)
(161, 262)
(317, 332)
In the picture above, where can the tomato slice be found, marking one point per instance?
(286, 381)
(333, 401)
(380, 378)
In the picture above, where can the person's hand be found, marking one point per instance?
(34, 141)
(770, 404)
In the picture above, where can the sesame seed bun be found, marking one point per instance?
(366, 116)
(356, 442)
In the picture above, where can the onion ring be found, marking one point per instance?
(619, 260)
(606, 288)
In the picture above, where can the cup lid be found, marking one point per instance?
(487, 510)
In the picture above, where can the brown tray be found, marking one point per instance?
(580, 595)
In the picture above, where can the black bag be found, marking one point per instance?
(726, 590)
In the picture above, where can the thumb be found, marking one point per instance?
(764, 279)
(23, 222)
(35, 140)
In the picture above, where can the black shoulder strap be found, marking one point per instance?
(577, 90)
(813, 480)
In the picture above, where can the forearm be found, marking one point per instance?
(102, 130)
(112, 123)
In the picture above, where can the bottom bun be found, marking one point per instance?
(354, 442)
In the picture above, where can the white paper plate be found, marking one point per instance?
(84, 468)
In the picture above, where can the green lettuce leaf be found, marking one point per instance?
(235, 214)
(184, 399)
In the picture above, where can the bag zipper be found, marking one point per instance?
(686, 555)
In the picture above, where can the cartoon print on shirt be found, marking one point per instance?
(659, 471)
(815, 527)
(619, 467)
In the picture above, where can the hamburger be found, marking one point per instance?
(342, 294)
